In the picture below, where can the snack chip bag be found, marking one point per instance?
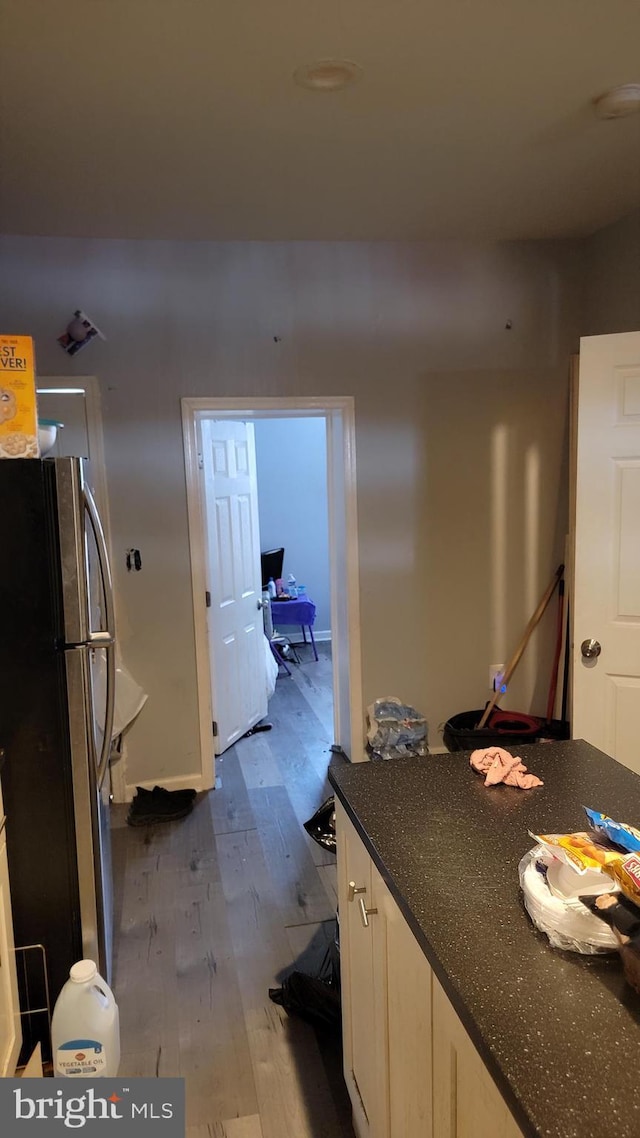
(626, 872)
(623, 835)
(580, 851)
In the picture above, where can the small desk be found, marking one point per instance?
(301, 611)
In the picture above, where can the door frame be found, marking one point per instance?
(339, 415)
(570, 558)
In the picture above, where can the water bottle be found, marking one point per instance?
(271, 587)
(85, 1029)
(291, 586)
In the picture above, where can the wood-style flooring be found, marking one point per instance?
(213, 910)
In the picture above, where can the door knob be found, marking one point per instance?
(590, 649)
(262, 604)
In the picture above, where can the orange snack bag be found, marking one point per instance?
(580, 851)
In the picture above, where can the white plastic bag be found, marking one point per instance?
(395, 729)
(271, 668)
(130, 697)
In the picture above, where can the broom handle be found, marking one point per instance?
(513, 662)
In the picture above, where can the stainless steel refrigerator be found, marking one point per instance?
(57, 691)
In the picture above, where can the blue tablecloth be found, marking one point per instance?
(301, 611)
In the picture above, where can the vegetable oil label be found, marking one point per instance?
(81, 1058)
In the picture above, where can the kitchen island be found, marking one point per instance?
(559, 1033)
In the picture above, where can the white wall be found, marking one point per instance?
(612, 278)
(416, 332)
(291, 458)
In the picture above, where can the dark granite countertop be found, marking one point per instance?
(560, 1032)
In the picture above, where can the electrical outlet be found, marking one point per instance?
(496, 672)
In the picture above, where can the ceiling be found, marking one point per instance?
(180, 118)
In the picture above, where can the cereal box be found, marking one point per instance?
(18, 412)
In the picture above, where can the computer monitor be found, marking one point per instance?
(271, 562)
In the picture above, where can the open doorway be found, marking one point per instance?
(291, 467)
(338, 416)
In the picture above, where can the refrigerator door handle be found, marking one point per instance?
(104, 638)
(103, 762)
(71, 537)
(103, 557)
(100, 640)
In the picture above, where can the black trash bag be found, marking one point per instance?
(315, 999)
(322, 827)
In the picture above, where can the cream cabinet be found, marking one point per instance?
(410, 1067)
(407, 1019)
(10, 1030)
(386, 1000)
(466, 1101)
(362, 996)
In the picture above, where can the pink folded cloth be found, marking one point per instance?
(500, 766)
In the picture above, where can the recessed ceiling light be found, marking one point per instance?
(618, 102)
(328, 74)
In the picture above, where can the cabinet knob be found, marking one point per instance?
(366, 913)
(353, 889)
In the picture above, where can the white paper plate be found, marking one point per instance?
(568, 924)
(564, 882)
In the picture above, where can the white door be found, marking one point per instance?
(606, 686)
(236, 627)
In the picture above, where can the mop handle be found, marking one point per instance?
(513, 662)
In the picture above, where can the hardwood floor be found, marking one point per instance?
(215, 909)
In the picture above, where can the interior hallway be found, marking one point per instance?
(213, 910)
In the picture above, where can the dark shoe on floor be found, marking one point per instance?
(159, 805)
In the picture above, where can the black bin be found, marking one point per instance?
(460, 733)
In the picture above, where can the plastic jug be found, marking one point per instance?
(85, 1029)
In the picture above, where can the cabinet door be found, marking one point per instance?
(408, 1022)
(363, 992)
(10, 1031)
(466, 1101)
